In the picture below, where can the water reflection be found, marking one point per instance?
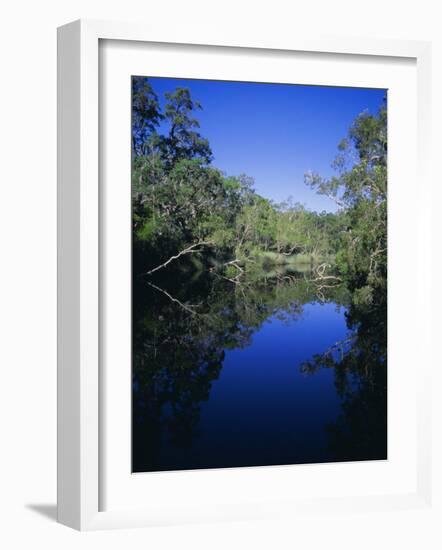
(264, 372)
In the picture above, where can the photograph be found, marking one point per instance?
(259, 273)
(225, 238)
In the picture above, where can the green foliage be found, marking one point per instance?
(189, 217)
(145, 115)
(184, 206)
(146, 229)
(360, 189)
(183, 141)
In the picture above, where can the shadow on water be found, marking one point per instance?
(268, 371)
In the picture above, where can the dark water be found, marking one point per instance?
(263, 373)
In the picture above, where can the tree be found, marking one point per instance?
(146, 115)
(183, 141)
(360, 190)
(185, 208)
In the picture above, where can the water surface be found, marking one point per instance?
(271, 372)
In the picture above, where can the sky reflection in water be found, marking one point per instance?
(246, 400)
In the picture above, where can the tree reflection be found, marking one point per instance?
(360, 373)
(180, 336)
(179, 340)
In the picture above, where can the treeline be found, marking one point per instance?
(189, 214)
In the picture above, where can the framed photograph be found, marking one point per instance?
(234, 230)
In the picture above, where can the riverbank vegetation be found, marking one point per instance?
(213, 261)
(190, 216)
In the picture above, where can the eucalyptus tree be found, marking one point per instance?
(146, 116)
(183, 140)
(360, 190)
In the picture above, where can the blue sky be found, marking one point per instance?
(275, 132)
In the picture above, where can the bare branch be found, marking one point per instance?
(190, 249)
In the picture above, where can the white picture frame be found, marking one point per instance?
(79, 265)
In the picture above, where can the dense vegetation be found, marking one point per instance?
(187, 214)
(213, 260)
